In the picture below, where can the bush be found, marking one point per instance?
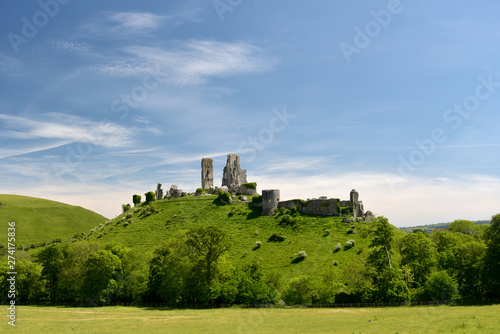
(225, 196)
(136, 199)
(150, 197)
(257, 199)
(276, 238)
(288, 220)
(199, 191)
(126, 207)
(250, 185)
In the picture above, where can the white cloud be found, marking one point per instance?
(66, 127)
(136, 20)
(189, 63)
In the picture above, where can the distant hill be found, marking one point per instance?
(430, 227)
(40, 220)
(145, 227)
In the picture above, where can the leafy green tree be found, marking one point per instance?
(136, 199)
(210, 243)
(52, 259)
(99, 283)
(169, 269)
(73, 270)
(29, 284)
(491, 267)
(382, 243)
(462, 226)
(419, 254)
(441, 286)
(469, 261)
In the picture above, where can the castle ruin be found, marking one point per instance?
(233, 176)
(234, 180)
(207, 173)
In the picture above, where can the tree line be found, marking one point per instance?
(462, 262)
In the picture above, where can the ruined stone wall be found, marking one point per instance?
(320, 207)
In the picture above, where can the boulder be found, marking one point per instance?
(244, 198)
(224, 188)
(369, 216)
(247, 189)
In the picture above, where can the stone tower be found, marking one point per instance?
(207, 173)
(357, 205)
(159, 192)
(270, 200)
(233, 175)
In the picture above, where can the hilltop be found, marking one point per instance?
(40, 220)
(147, 226)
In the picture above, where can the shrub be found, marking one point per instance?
(126, 207)
(250, 185)
(288, 220)
(257, 199)
(277, 238)
(199, 191)
(225, 196)
(136, 199)
(150, 197)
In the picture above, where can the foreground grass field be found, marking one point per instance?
(441, 319)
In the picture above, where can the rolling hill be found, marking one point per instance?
(40, 220)
(145, 227)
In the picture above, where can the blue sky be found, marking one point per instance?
(397, 99)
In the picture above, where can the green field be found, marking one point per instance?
(40, 220)
(441, 319)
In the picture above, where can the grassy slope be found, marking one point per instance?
(39, 220)
(442, 319)
(246, 226)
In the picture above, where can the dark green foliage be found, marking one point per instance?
(150, 197)
(225, 196)
(289, 221)
(491, 267)
(419, 254)
(250, 185)
(440, 286)
(199, 191)
(136, 199)
(257, 199)
(276, 238)
(126, 207)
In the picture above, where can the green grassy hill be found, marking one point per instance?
(146, 227)
(39, 220)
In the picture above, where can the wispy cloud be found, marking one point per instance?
(65, 127)
(73, 47)
(189, 63)
(127, 24)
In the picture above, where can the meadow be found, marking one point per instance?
(425, 319)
